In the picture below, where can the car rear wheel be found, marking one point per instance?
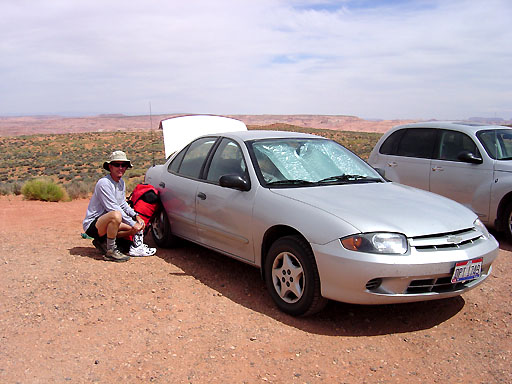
(161, 231)
(292, 277)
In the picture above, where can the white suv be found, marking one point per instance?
(467, 162)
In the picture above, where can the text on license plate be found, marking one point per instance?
(467, 270)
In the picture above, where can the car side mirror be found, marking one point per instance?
(234, 182)
(469, 157)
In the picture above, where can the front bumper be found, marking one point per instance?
(421, 274)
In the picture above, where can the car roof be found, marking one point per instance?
(463, 126)
(264, 134)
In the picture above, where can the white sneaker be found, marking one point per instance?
(141, 251)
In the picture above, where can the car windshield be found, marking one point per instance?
(497, 143)
(309, 162)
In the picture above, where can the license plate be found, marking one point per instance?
(467, 270)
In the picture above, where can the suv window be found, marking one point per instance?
(191, 161)
(497, 143)
(452, 143)
(416, 142)
(390, 145)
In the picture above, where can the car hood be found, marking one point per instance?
(387, 207)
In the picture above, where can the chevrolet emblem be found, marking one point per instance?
(454, 239)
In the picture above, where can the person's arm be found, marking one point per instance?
(129, 211)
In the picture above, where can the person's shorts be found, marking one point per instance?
(93, 231)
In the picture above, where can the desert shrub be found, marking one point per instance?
(43, 189)
(79, 189)
(49, 171)
(16, 188)
(10, 188)
(5, 189)
(135, 172)
(132, 182)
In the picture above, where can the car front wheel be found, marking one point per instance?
(161, 231)
(292, 277)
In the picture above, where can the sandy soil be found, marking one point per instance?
(189, 315)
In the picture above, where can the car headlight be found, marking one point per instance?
(385, 243)
(481, 227)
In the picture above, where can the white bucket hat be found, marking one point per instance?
(117, 156)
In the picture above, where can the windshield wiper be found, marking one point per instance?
(349, 178)
(290, 182)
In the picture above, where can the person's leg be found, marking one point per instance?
(100, 242)
(110, 224)
(138, 248)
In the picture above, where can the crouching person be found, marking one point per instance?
(109, 216)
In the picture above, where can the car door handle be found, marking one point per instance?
(201, 195)
(392, 164)
(437, 169)
(161, 184)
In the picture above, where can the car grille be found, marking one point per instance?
(439, 285)
(451, 240)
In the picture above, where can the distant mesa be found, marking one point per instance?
(112, 115)
(32, 125)
(490, 120)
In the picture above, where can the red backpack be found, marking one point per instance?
(145, 200)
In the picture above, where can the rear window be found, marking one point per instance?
(417, 142)
(390, 145)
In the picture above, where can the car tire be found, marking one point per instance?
(291, 276)
(161, 231)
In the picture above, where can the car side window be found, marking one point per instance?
(417, 142)
(390, 145)
(191, 162)
(176, 162)
(452, 143)
(227, 160)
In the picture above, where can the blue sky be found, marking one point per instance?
(373, 59)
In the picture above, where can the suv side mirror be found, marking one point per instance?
(469, 157)
(234, 182)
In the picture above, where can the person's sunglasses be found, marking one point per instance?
(118, 165)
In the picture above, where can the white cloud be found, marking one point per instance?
(431, 59)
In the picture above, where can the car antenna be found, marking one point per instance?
(151, 134)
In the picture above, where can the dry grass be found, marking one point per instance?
(75, 160)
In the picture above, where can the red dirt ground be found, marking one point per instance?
(189, 315)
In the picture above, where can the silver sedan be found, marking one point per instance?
(318, 221)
